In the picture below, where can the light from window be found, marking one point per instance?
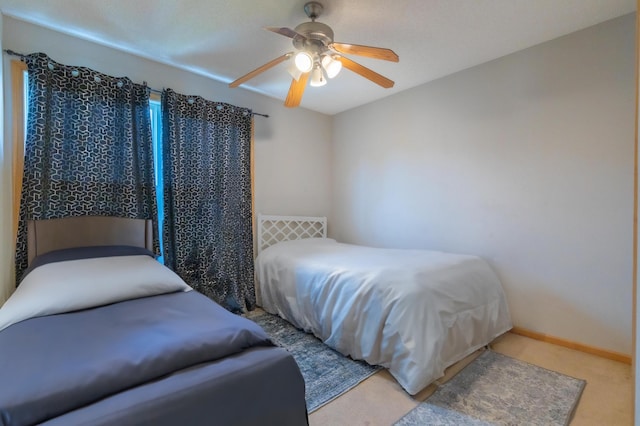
(25, 97)
(156, 136)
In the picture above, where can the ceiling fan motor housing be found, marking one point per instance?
(318, 36)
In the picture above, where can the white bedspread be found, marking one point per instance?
(414, 312)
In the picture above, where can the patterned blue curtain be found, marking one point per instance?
(88, 150)
(207, 232)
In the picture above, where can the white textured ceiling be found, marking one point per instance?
(224, 39)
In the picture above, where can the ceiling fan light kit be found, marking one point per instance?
(304, 61)
(331, 66)
(318, 55)
(317, 77)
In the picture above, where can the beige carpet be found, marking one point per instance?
(606, 400)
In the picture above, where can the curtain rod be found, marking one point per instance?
(159, 92)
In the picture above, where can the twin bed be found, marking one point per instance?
(415, 312)
(98, 332)
(107, 335)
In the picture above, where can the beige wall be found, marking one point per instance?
(527, 161)
(292, 147)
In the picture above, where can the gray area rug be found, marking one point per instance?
(327, 373)
(498, 390)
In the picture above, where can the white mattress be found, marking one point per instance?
(414, 312)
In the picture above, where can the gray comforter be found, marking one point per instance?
(53, 365)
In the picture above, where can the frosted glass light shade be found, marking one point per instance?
(304, 61)
(317, 77)
(293, 70)
(331, 66)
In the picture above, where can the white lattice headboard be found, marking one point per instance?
(273, 229)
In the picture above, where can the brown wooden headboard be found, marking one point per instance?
(83, 231)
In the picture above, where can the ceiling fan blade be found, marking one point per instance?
(366, 72)
(287, 32)
(368, 51)
(296, 90)
(259, 70)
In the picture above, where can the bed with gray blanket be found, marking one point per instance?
(107, 335)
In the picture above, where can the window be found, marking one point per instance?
(25, 96)
(156, 136)
(18, 98)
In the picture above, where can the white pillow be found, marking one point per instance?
(68, 286)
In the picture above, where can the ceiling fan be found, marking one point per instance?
(317, 55)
